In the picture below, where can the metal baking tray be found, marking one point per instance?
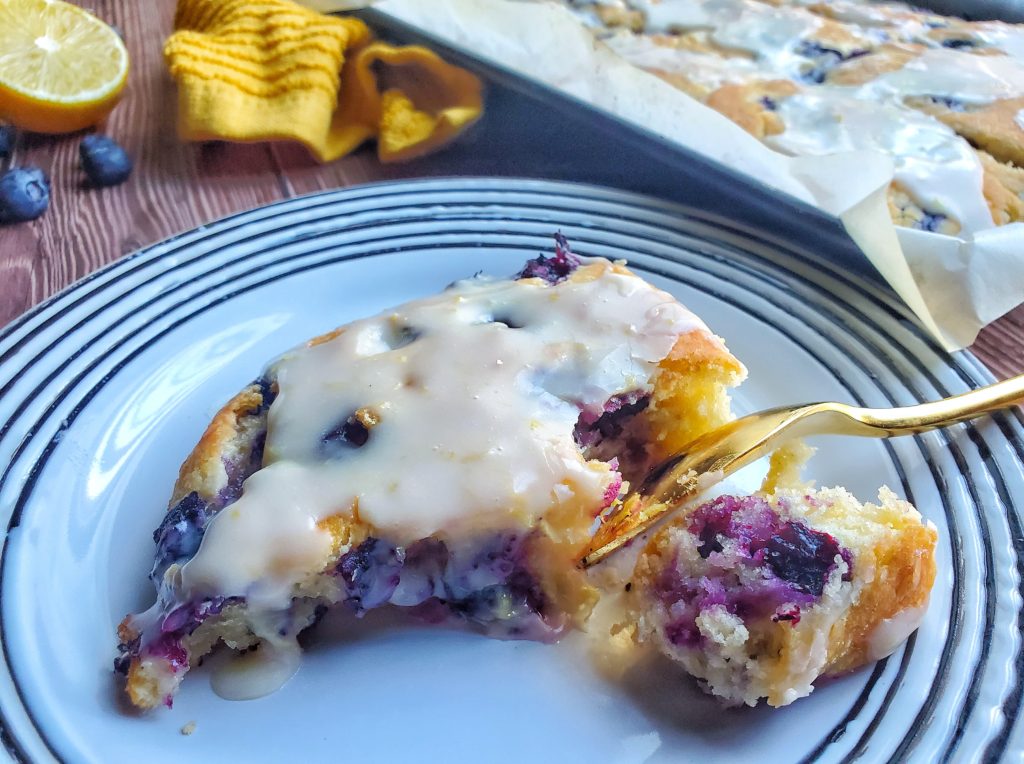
(978, 10)
(533, 130)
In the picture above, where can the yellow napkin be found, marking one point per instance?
(257, 70)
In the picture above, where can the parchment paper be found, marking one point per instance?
(955, 286)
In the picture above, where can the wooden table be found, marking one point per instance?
(177, 186)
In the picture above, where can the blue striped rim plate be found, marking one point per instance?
(106, 387)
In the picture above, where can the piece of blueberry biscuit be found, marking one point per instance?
(754, 106)
(449, 456)
(758, 596)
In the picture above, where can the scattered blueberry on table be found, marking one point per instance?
(104, 161)
(6, 141)
(24, 194)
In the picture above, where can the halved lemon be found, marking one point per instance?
(61, 68)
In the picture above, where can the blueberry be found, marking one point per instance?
(171, 650)
(553, 269)
(710, 539)
(371, 573)
(950, 103)
(497, 588)
(618, 411)
(180, 533)
(351, 433)
(490, 561)
(824, 59)
(684, 632)
(958, 44)
(24, 194)
(186, 618)
(240, 467)
(6, 140)
(104, 161)
(422, 572)
(405, 335)
(931, 222)
(267, 393)
(802, 556)
(126, 651)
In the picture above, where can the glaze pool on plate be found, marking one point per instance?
(108, 386)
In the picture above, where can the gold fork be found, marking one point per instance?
(720, 452)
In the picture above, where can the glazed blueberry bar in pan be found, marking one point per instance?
(944, 97)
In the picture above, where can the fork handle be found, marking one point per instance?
(928, 416)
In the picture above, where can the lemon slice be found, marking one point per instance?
(61, 68)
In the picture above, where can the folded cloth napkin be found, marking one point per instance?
(257, 70)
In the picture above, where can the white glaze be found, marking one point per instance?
(767, 32)
(949, 73)
(936, 167)
(476, 422)
(258, 673)
(1019, 119)
(681, 15)
(759, 40)
(1007, 37)
(855, 13)
(893, 632)
(706, 69)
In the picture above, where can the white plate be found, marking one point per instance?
(104, 389)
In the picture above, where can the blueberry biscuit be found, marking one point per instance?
(449, 456)
(759, 596)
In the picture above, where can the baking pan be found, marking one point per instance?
(978, 10)
(532, 130)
